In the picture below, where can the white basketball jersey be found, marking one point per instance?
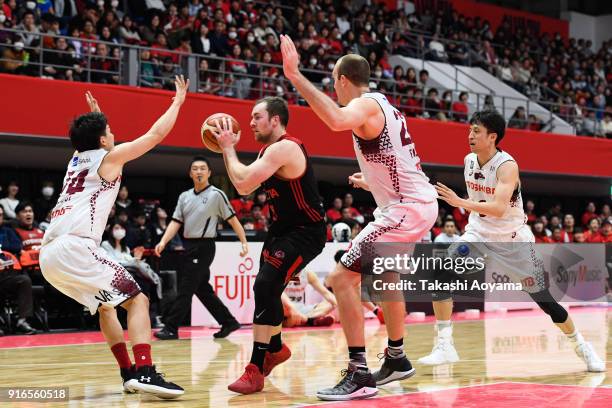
(85, 201)
(390, 164)
(481, 183)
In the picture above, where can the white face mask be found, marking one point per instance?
(338, 36)
(47, 191)
(2, 18)
(115, 3)
(233, 35)
(330, 66)
(31, 5)
(313, 61)
(100, 3)
(119, 234)
(378, 74)
(250, 38)
(368, 27)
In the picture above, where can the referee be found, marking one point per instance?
(198, 210)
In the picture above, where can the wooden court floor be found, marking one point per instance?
(506, 355)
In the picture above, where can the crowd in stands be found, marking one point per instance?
(568, 73)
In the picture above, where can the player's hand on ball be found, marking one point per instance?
(224, 134)
(181, 89)
(291, 58)
(448, 195)
(358, 181)
(91, 101)
(245, 249)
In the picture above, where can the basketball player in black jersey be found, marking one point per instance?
(297, 234)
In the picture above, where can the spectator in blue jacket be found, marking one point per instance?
(9, 240)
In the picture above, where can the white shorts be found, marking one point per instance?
(80, 269)
(510, 257)
(406, 223)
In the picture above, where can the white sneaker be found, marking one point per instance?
(586, 352)
(443, 352)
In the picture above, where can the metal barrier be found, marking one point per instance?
(86, 60)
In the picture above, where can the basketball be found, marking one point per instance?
(208, 138)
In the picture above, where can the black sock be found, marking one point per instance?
(259, 353)
(357, 356)
(310, 321)
(395, 348)
(275, 343)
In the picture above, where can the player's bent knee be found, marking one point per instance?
(342, 277)
(138, 301)
(550, 306)
(267, 289)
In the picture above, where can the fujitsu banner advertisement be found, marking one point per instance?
(232, 278)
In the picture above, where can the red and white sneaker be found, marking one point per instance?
(326, 320)
(250, 382)
(273, 359)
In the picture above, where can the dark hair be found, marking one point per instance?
(338, 255)
(492, 120)
(276, 106)
(22, 206)
(200, 158)
(423, 71)
(86, 130)
(578, 230)
(355, 68)
(450, 220)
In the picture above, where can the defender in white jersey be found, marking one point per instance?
(498, 223)
(407, 207)
(71, 258)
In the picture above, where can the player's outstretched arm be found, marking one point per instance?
(125, 152)
(352, 116)
(239, 230)
(507, 180)
(247, 179)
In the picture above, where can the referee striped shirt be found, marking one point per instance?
(200, 212)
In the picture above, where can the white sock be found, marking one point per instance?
(443, 324)
(575, 337)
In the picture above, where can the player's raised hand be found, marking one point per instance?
(358, 181)
(224, 133)
(448, 195)
(91, 101)
(291, 58)
(181, 89)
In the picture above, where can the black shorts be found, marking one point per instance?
(289, 251)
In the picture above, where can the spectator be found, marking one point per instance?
(354, 214)
(149, 71)
(61, 63)
(209, 82)
(589, 214)
(568, 226)
(30, 37)
(140, 235)
(261, 199)
(334, 214)
(158, 227)
(449, 233)
(30, 235)
(14, 59)
(200, 44)
(534, 124)
(593, 234)
(460, 108)
(151, 30)
(128, 32)
(606, 213)
(539, 233)
(529, 212)
(219, 42)
(606, 125)
(123, 201)
(238, 68)
(518, 119)
(606, 231)
(18, 286)
(10, 202)
(436, 50)
(46, 202)
(579, 235)
(423, 80)
(242, 206)
(432, 103)
(259, 221)
(544, 220)
(9, 240)
(105, 69)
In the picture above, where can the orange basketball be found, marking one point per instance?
(209, 140)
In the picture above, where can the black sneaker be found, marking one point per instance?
(356, 384)
(393, 369)
(167, 334)
(226, 330)
(126, 375)
(147, 379)
(24, 328)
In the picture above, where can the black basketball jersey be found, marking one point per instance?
(293, 202)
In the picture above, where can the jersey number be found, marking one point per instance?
(75, 183)
(406, 140)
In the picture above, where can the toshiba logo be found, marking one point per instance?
(480, 188)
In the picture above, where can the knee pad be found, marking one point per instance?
(550, 306)
(268, 288)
